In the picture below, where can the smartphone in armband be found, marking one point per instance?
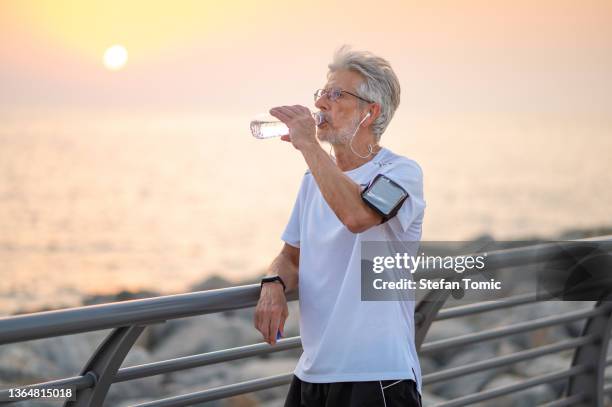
(384, 196)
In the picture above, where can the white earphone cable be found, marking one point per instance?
(370, 149)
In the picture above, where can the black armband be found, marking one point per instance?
(384, 196)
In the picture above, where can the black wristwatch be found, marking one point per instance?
(270, 279)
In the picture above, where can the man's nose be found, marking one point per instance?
(322, 103)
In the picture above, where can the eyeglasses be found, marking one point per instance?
(334, 94)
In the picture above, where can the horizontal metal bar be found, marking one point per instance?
(519, 256)
(464, 310)
(78, 382)
(502, 391)
(568, 401)
(505, 360)
(512, 329)
(221, 392)
(512, 301)
(133, 312)
(204, 359)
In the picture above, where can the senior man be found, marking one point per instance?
(356, 353)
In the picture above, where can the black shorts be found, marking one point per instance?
(379, 393)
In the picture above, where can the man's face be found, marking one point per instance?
(343, 115)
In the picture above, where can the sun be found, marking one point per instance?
(115, 57)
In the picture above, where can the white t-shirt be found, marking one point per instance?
(344, 338)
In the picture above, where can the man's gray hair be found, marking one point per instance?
(380, 85)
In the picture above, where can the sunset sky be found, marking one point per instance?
(451, 56)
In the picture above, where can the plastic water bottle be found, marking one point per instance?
(269, 126)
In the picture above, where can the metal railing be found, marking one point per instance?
(584, 378)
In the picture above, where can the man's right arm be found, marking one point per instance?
(271, 311)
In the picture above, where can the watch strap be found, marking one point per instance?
(270, 279)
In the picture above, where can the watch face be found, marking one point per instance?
(384, 195)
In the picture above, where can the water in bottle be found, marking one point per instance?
(269, 126)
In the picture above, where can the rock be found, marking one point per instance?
(38, 360)
(530, 312)
(224, 374)
(255, 368)
(572, 234)
(428, 365)
(213, 283)
(542, 365)
(124, 295)
(145, 387)
(177, 389)
(205, 377)
(274, 403)
(534, 396)
(470, 383)
(242, 400)
(507, 348)
(206, 333)
(447, 329)
(429, 400)
(21, 366)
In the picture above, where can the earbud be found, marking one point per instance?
(365, 117)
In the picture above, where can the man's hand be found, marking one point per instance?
(302, 126)
(271, 311)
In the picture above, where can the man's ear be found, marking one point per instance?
(374, 113)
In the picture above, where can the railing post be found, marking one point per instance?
(593, 354)
(428, 309)
(104, 363)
